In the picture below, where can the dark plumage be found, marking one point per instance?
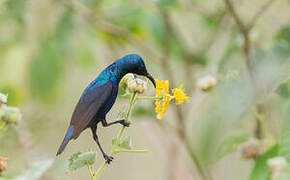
(99, 97)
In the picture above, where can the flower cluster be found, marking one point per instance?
(132, 84)
(179, 95)
(163, 97)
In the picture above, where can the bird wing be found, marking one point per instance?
(88, 106)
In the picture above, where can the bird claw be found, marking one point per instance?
(108, 158)
(124, 123)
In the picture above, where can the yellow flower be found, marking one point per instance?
(162, 87)
(162, 90)
(162, 105)
(163, 97)
(179, 95)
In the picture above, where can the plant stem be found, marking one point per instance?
(128, 150)
(132, 101)
(89, 169)
(159, 97)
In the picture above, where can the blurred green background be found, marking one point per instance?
(51, 49)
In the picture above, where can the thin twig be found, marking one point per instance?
(235, 15)
(130, 150)
(245, 31)
(259, 13)
(90, 172)
(146, 98)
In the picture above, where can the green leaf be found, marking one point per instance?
(284, 34)
(126, 143)
(79, 160)
(261, 170)
(284, 90)
(74, 157)
(285, 134)
(282, 46)
(230, 143)
(36, 170)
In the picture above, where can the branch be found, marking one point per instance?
(245, 31)
(236, 17)
(259, 13)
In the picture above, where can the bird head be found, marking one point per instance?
(133, 63)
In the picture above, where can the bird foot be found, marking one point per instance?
(124, 123)
(108, 158)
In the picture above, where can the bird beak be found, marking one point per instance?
(151, 79)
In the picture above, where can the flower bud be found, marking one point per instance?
(12, 115)
(250, 149)
(276, 164)
(137, 85)
(124, 81)
(3, 99)
(3, 164)
(206, 83)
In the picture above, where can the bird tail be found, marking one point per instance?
(67, 138)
